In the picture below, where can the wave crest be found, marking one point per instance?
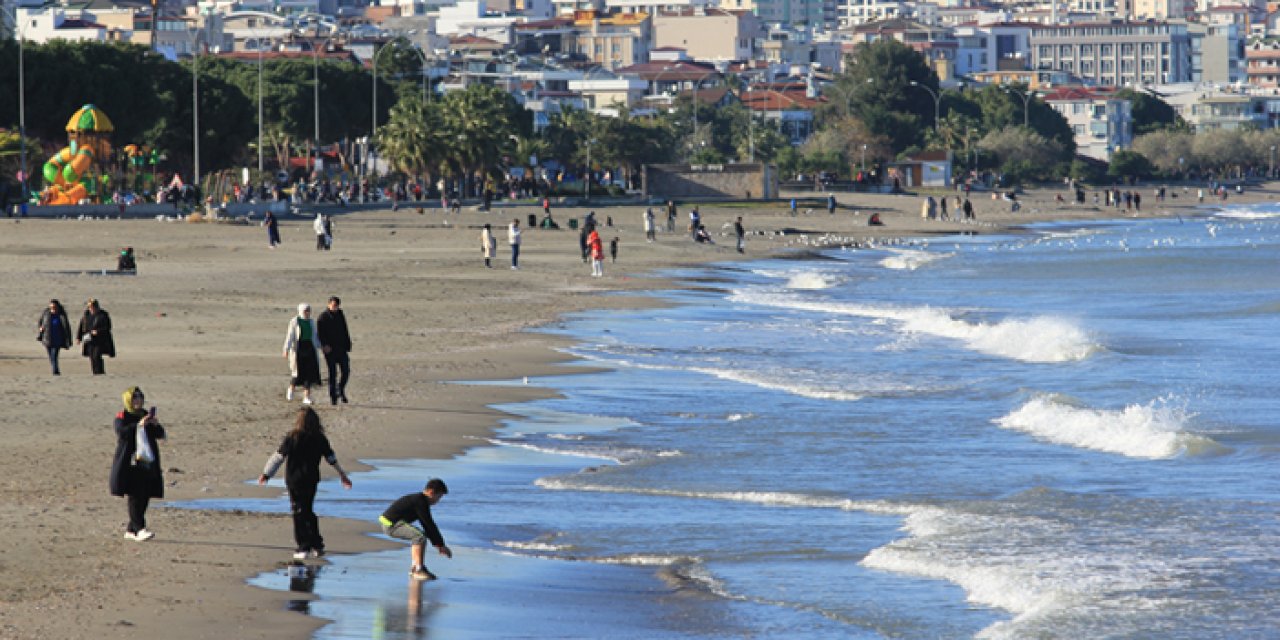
(1156, 430)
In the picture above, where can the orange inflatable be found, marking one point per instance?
(67, 173)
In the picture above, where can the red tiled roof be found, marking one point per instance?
(771, 100)
(679, 71)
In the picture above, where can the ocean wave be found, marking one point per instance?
(1038, 339)
(812, 280)
(1156, 430)
(532, 545)
(765, 498)
(775, 382)
(621, 456)
(1249, 213)
(910, 259)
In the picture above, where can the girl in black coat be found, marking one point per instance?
(94, 334)
(303, 447)
(136, 473)
(54, 332)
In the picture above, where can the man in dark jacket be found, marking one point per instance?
(397, 522)
(336, 343)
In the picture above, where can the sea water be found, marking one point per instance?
(1066, 433)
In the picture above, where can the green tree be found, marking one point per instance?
(876, 87)
(1169, 150)
(1149, 112)
(1023, 154)
(1129, 165)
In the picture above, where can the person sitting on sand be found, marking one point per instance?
(701, 235)
(126, 261)
(874, 221)
(397, 522)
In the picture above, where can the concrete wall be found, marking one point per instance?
(736, 181)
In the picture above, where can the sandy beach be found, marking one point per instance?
(200, 329)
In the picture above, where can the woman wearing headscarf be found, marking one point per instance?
(94, 336)
(488, 245)
(135, 470)
(596, 248)
(303, 447)
(322, 234)
(54, 332)
(302, 348)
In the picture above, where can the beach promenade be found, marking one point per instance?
(200, 330)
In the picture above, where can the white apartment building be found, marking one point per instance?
(1115, 53)
(1004, 46)
(1160, 9)
(43, 24)
(1101, 123)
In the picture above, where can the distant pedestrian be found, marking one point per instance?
(649, 230)
(94, 336)
(671, 216)
(831, 203)
(302, 348)
(596, 248)
(54, 332)
(546, 206)
(793, 206)
(302, 448)
(1137, 201)
(613, 249)
(397, 522)
(513, 238)
(335, 341)
(968, 210)
(942, 209)
(273, 230)
(741, 234)
(317, 225)
(695, 221)
(136, 472)
(488, 245)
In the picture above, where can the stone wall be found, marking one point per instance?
(711, 181)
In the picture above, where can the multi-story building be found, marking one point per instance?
(1115, 53)
(1206, 107)
(1162, 9)
(1263, 64)
(611, 41)
(1101, 123)
(795, 13)
(1003, 46)
(711, 34)
(937, 44)
(1217, 53)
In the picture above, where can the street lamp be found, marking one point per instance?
(1026, 102)
(695, 99)
(195, 105)
(588, 176)
(315, 60)
(22, 117)
(1271, 173)
(937, 103)
(864, 157)
(657, 80)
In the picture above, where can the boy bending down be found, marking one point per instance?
(397, 522)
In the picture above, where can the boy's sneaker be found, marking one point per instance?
(143, 535)
(300, 554)
(129, 535)
(421, 573)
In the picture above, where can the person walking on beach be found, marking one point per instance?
(135, 469)
(488, 245)
(335, 341)
(273, 230)
(302, 448)
(597, 253)
(672, 214)
(740, 234)
(54, 332)
(649, 228)
(317, 225)
(513, 238)
(302, 348)
(397, 522)
(968, 210)
(94, 336)
(613, 249)
(831, 203)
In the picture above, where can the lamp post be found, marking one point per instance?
(373, 127)
(864, 157)
(937, 103)
(315, 78)
(1026, 103)
(195, 106)
(588, 176)
(22, 119)
(259, 107)
(695, 99)
(1271, 172)
(656, 80)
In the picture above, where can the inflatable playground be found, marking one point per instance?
(76, 174)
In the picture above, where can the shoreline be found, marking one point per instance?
(200, 332)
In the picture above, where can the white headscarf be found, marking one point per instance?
(302, 306)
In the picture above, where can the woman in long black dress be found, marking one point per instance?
(302, 348)
(94, 336)
(135, 469)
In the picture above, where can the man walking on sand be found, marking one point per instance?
(740, 233)
(335, 341)
(397, 522)
(513, 238)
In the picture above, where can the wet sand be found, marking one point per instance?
(200, 330)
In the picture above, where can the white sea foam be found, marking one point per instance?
(1249, 213)
(781, 381)
(766, 498)
(532, 545)
(910, 259)
(812, 280)
(1155, 430)
(1038, 339)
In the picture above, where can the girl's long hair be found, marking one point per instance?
(307, 424)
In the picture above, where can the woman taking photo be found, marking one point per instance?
(302, 348)
(135, 470)
(303, 447)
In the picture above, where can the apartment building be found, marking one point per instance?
(1115, 53)
(1101, 123)
(711, 34)
(611, 41)
(1217, 53)
(1004, 46)
(937, 44)
(1263, 64)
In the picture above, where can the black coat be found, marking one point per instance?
(332, 329)
(46, 336)
(100, 322)
(128, 478)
